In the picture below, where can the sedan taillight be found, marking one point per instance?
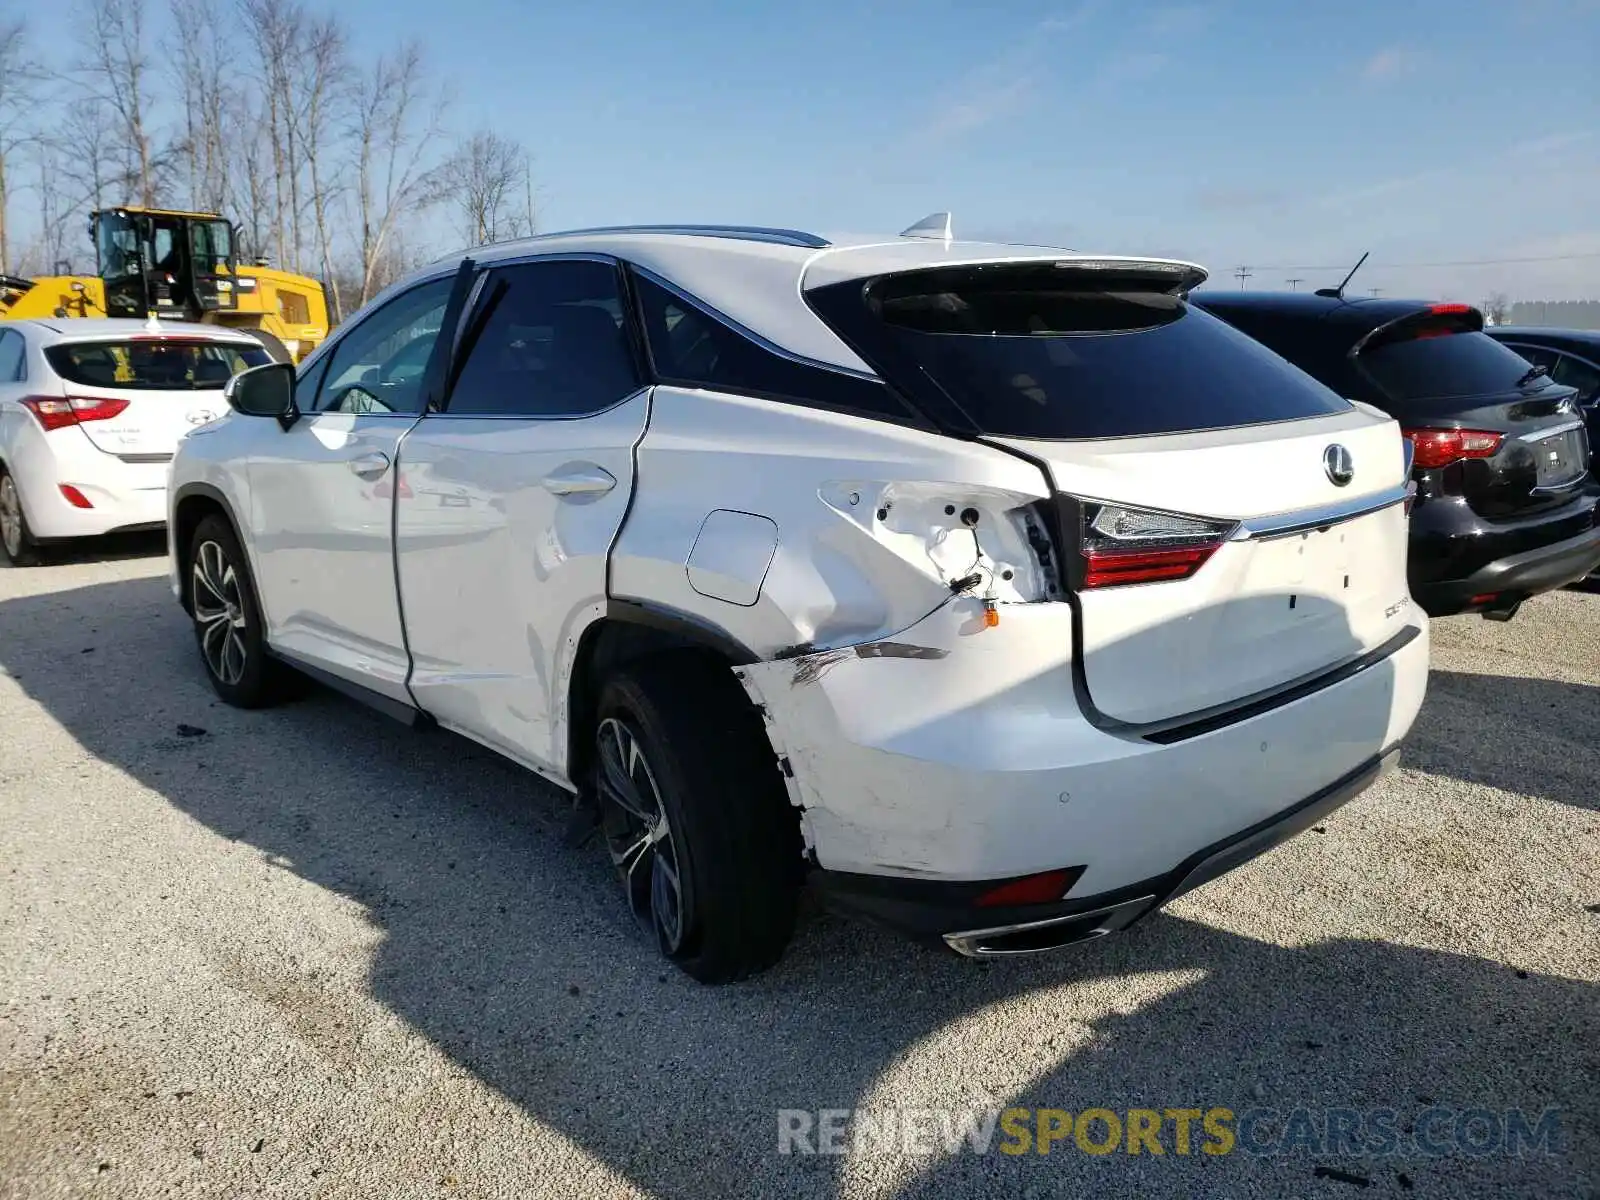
(55, 412)
(1123, 545)
(1441, 447)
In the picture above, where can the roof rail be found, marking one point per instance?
(743, 233)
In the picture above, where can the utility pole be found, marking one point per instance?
(1374, 292)
(1294, 284)
(1241, 275)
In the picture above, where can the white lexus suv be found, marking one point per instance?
(996, 593)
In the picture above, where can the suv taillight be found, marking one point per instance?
(54, 412)
(1123, 545)
(1441, 447)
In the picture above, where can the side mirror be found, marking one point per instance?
(264, 391)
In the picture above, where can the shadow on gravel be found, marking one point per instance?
(514, 955)
(110, 548)
(1533, 737)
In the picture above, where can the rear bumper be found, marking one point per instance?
(930, 768)
(1516, 577)
(121, 495)
(932, 910)
(1456, 554)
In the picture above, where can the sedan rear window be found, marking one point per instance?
(1051, 351)
(154, 364)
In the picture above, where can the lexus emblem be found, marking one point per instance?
(1336, 461)
(203, 416)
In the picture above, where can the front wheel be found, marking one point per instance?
(696, 817)
(227, 619)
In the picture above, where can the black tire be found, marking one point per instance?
(273, 343)
(731, 830)
(16, 539)
(227, 620)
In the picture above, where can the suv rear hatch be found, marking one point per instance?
(1229, 526)
(1486, 425)
(134, 397)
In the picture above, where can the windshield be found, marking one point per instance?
(154, 364)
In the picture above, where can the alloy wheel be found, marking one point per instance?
(10, 517)
(639, 835)
(219, 613)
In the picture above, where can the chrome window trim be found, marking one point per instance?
(766, 344)
(1306, 520)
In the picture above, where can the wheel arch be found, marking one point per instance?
(626, 632)
(193, 503)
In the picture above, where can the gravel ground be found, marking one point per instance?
(309, 953)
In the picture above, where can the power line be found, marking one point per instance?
(1472, 262)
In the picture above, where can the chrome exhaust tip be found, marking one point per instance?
(1052, 933)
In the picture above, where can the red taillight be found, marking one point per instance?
(50, 412)
(53, 412)
(1450, 308)
(1133, 545)
(1441, 447)
(1031, 889)
(1109, 567)
(73, 496)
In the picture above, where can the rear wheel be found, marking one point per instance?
(15, 536)
(227, 619)
(696, 818)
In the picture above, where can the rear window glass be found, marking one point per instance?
(157, 364)
(1040, 351)
(1444, 365)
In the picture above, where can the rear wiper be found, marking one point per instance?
(1532, 373)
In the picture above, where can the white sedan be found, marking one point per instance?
(90, 414)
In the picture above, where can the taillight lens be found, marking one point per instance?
(54, 412)
(1441, 447)
(1123, 545)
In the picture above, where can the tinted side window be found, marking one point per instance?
(1574, 372)
(1537, 355)
(691, 348)
(10, 356)
(309, 381)
(377, 366)
(546, 340)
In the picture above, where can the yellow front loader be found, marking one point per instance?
(181, 266)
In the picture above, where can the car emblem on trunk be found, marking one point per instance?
(1336, 461)
(202, 416)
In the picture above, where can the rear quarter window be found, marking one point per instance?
(1047, 352)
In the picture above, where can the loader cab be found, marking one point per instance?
(177, 265)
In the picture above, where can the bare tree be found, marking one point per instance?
(323, 69)
(117, 63)
(87, 139)
(486, 180)
(395, 124)
(250, 196)
(204, 74)
(17, 79)
(274, 27)
(1497, 308)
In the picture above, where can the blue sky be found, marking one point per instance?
(1274, 134)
